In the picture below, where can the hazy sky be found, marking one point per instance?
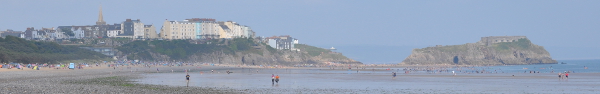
(380, 31)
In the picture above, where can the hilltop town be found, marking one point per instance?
(107, 38)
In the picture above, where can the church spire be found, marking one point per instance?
(100, 18)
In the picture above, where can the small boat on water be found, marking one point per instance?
(563, 63)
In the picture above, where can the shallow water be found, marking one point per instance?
(583, 81)
(576, 66)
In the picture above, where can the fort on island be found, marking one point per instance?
(488, 41)
(492, 50)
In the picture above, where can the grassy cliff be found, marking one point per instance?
(316, 51)
(14, 49)
(228, 51)
(182, 49)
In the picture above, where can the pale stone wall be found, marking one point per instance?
(150, 32)
(223, 33)
(189, 30)
(138, 30)
(165, 31)
(235, 29)
(209, 30)
(488, 41)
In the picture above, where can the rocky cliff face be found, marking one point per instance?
(486, 52)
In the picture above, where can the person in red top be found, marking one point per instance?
(567, 75)
(272, 78)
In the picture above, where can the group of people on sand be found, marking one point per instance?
(563, 76)
(274, 79)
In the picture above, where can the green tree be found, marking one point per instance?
(16, 49)
(67, 31)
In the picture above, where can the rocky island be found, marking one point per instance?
(493, 50)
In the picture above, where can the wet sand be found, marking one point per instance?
(293, 80)
(380, 81)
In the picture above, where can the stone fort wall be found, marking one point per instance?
(488, 41)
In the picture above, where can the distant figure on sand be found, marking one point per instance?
(272, 78)
(277, 79)
(454, 74)
(187, 77)
(559, 76)
(567, 76)
(394, 74)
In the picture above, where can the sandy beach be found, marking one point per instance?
(294, 80)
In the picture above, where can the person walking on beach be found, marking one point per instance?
(277, 79)
(187, 78)
(559, 76)
(567, 76)
(272, 78)
(394, 74)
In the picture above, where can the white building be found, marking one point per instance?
(282, 42)
(234, 30)
(132, 29)
(195, 28)
(113, 30)
(78, 31)
(113, 33)
(247, 32)
(10, 32)
(203, 28)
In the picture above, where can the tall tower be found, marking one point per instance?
(101, 25)
(100, 18)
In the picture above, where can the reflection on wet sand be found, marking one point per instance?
(420, 80)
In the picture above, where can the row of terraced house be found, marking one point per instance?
(194, 28)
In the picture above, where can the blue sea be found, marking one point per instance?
(576, 66)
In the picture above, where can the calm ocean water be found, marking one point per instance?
(576, 66)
